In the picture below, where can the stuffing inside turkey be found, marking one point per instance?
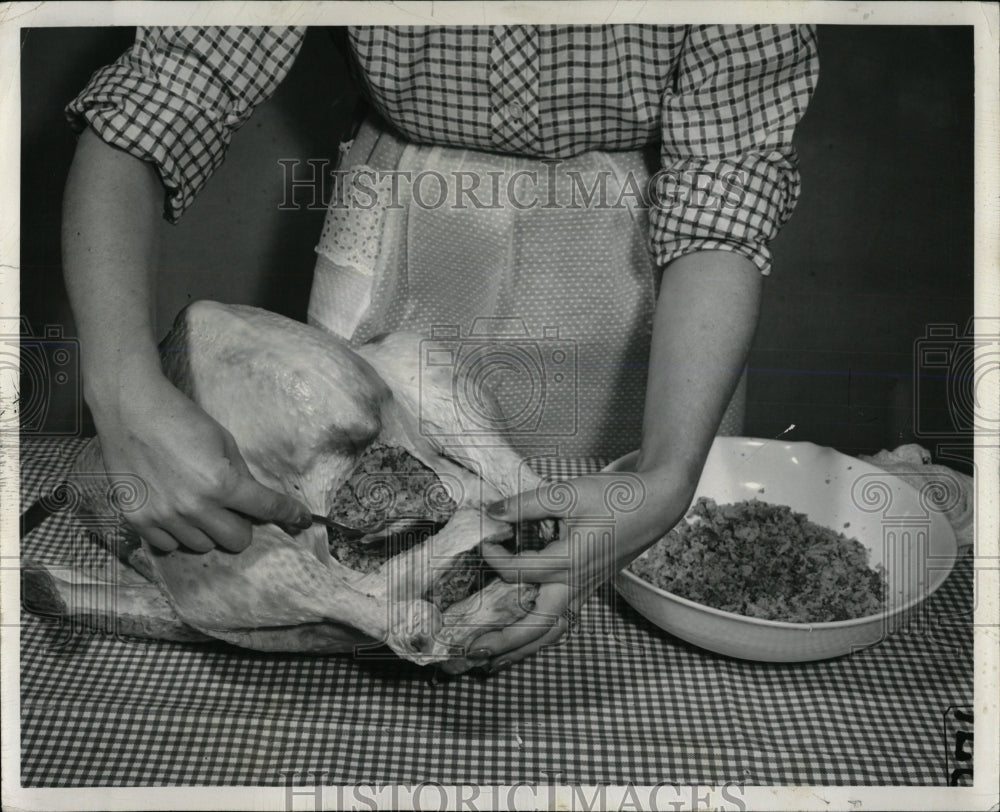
(357, 434)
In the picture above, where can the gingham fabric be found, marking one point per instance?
(724, 100)
(621, 701)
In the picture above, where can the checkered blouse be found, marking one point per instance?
(722, 100)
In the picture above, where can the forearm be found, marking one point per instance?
(702, 329)
(704, 322)
(110, 227)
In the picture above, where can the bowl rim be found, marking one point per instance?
(786, 624)
(773, 624)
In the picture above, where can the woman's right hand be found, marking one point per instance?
(200, 491)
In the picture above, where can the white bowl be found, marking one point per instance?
(904, 530)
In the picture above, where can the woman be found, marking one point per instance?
(655, 305)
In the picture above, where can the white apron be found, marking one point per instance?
(544, 295)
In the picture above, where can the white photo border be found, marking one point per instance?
(985, 20)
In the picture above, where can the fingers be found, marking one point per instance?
(227, 529)
(459, 665)
(211, 526)
(248, 496)
(200, 492)
(199, 533)
(251, 498)
(550, 565)
(159, 540)
(542, 626)
(245, 494)
(539, 503)
(556, 635)
(189, 536)
(170, 535)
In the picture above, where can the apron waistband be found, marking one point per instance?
(362, 151)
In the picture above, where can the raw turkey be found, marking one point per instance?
(322, 422)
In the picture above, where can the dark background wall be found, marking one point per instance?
(880, 246)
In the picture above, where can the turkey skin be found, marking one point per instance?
(354, 434)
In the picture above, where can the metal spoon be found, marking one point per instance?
(348, 530)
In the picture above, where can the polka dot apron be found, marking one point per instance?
(534, 278)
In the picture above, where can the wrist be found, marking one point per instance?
(667, 494)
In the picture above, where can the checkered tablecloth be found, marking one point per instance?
(621, 702)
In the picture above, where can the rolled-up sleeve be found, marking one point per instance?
(177, 95)
(729, 178)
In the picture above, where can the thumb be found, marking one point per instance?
(548, 499)
(259, 502)
(251, 498)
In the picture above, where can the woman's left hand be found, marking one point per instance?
(605, 521)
